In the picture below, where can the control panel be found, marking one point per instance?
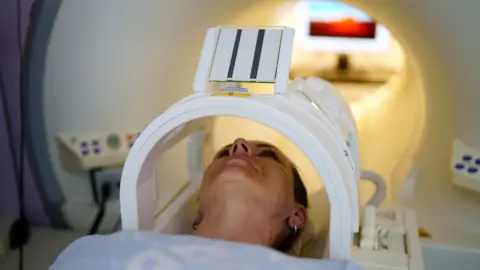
(465, 164)
(98, 150)
(388, 240)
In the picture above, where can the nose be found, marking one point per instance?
(240, 146)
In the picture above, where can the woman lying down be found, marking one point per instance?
(252, 206)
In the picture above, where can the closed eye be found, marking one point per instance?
(223, 153)
(269, 154)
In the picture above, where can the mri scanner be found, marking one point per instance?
(309, 113)
(145, 56)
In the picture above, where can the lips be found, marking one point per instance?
(241, 158)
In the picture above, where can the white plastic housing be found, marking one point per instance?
(245, 54)
(98, 150)
(310, 130)
(309, 114)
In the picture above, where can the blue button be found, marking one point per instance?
(96, 150)
(459, 166)
(84, 153)
(477, 161)
(95, 142)
(467, 158)
(472, 170)
(83, 144)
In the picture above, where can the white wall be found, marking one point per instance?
(113, 67)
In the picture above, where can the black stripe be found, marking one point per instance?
(258, 53)
(234, 54)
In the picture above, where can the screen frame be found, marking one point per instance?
(304, 16)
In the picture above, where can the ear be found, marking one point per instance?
(197, 220)
(298, 218)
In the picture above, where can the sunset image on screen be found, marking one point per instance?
(343, 28)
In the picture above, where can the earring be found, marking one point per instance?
(295, 228)
(194, 226)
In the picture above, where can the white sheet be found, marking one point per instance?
(146, 250)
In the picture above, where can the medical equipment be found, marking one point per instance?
(327, 27)
(331, 26)
(309, 113)
(465, 164)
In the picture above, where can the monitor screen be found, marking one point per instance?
(348, 28)
(337, 27)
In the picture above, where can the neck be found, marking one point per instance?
(236, 224)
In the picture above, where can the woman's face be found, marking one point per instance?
(250, 172)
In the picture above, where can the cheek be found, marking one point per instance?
(280, 188)
(208, 174)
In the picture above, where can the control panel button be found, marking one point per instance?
(472, 170)
(113, 141)
(130, 139)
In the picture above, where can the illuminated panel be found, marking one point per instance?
(349, 27)
(336, 27)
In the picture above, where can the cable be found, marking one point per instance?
(93, 182)
(105, 184)
(100, 199)
(20, 231)
(381, 190)
(22, 118)
(9, 129)
(118, 225)
(106, 192)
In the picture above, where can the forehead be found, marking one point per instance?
(261, 144)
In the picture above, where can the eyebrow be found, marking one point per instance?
(264, 145)
(226, 147)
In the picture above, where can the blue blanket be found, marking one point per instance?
(146, 250)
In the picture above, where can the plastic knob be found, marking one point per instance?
(113, 141)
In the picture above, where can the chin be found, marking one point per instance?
(232, 175)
